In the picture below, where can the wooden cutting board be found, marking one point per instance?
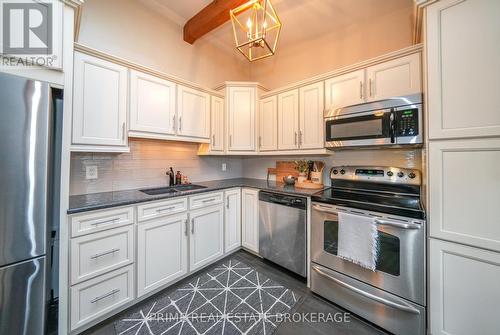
(283, 169)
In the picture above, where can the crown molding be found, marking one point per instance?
(73, 3)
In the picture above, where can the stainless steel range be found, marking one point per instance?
(392, 296)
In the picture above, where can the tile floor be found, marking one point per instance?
(308, 305)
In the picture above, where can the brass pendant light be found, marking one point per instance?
(256, 29)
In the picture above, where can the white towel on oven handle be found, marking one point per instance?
(358, 240)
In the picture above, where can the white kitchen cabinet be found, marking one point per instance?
(463, 289)
(232, 222)
(217, 124)
(288, 120)
(463, 66)
(207, 236)
(250, 219)
(345, 90)
(241, 118)
(99, 104)
(311, 120)
(193, 113)
(268, 124)
(397, 77)
(464, 191)
(162, 252)
(152, 106)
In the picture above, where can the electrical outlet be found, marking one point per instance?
(91, 172)
(224, 166)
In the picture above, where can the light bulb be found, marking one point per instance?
(249, 23)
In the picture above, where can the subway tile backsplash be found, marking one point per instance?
(145, 166)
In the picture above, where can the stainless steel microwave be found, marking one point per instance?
(391, 122)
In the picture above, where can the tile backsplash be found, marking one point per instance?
(145, 166)
(256, 167)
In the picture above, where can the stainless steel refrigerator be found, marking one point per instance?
(27, 173)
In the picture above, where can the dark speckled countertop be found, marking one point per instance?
(94, 201)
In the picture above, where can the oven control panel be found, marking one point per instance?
(386, 174)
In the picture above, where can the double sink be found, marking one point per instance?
(171, 189)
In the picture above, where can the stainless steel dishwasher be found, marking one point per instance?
(282, 230)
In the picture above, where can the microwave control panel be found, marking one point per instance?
(407, 122)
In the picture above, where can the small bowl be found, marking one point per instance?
(289, 180)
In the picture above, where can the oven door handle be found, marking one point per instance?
(381, 300)
(326, 209)
(398, 224)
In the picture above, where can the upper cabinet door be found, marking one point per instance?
(193, 112)
(345, 90)
(217, 124)
(463, 60)
(268, 124)
(241, 118)
(401, 76)
(99, 102)
(152, 104)
(311, 116)
(288, 120)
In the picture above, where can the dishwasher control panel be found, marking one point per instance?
(283, 199)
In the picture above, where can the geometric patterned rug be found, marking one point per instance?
(232, 298)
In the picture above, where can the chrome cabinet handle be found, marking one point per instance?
(295, 138)
(370, 87)
(192, 225)
(368, 295)
(227, 202)
(213, 139)
(110, 293)
(159, 210)
(260, 141)
(105, 221)
(186, 224)
(104, 253)
(180, 123)
(173, 122)
(402, 225)
(300, 137)
(208, 200)
(123, 131)
(361, 90)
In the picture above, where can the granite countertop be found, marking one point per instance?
(94, 201)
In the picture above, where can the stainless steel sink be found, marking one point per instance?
(172, 189)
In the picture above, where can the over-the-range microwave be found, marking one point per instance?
(391, 122)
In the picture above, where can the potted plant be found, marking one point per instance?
(302, 168)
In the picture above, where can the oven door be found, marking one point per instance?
(401, 262)
(362, 129)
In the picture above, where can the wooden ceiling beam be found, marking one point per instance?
(213, 15)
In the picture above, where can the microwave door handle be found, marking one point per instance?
(392, 129)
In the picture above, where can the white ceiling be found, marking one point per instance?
(301, 19)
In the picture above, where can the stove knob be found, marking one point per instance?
(335, 171)
(401, 174)
(390, 173)
(411, 175)
(342, 171)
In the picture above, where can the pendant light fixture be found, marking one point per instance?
(256, 29)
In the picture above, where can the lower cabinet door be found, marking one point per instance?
(207, 236)
(463, 289)
(232, 220)
(250, 219)
(161, 252)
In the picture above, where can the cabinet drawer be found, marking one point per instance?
(207, 199)
(100, 295)
(162, 208)
(95, 254)
(82, 224)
